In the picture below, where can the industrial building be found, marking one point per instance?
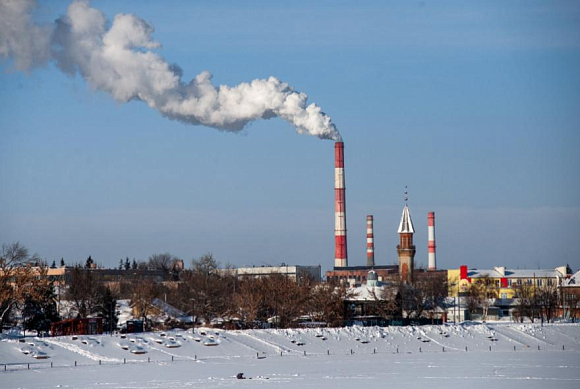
(357, 275)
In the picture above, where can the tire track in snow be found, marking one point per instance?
(506, 332)
(423, 334)
(275, 346)
(231, 337)
(78, 350)
(171, 354)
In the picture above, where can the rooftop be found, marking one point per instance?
(406, 224)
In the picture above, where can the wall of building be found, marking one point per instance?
(295, 272)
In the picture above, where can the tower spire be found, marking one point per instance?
(406, 248)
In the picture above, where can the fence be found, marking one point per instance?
(18, 366)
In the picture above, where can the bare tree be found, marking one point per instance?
(328, 300)
(205, 264)
(162, 262)
(481, 294)
(433, 287)
(17, 277)
(250, 300)
(81, 291)
(387, 303)
(546, 297)
(526, 303)
(144, 293)
(286, 298)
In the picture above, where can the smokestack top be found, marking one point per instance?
(431, 218)
(339, 154)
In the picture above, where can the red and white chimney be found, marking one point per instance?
(340, 253)
(370, 242)
(431, 245)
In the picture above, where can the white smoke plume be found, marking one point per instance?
(119, 60)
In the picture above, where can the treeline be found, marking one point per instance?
(28, 296)
(278, 299)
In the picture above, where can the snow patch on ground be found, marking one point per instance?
(405, 357)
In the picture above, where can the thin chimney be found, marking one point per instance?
(370, 242)
(340, 251)
(431, 245)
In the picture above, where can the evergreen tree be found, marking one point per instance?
(127, 264)
(134, 265)
(40, 311)
(53, 266)
(32, 316)
(106, 308)
(62, 262)
(121, 264)
(89, 262)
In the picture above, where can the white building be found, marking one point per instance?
(294, 272)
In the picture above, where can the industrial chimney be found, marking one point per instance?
(370, 242)
(340, 253)
(431, 245)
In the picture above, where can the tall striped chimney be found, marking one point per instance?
(340, 253)
(370, 242)
(431, 245)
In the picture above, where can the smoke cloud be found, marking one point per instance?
(120, 60)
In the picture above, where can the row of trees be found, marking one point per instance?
(206, 293)
(537, 302)
(164, 262)
(27, 291)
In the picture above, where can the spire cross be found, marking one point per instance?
(406, 195)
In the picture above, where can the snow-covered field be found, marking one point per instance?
(408, 357)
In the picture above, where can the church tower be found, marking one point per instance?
(406, 248)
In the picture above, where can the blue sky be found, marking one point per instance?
(475, 106)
